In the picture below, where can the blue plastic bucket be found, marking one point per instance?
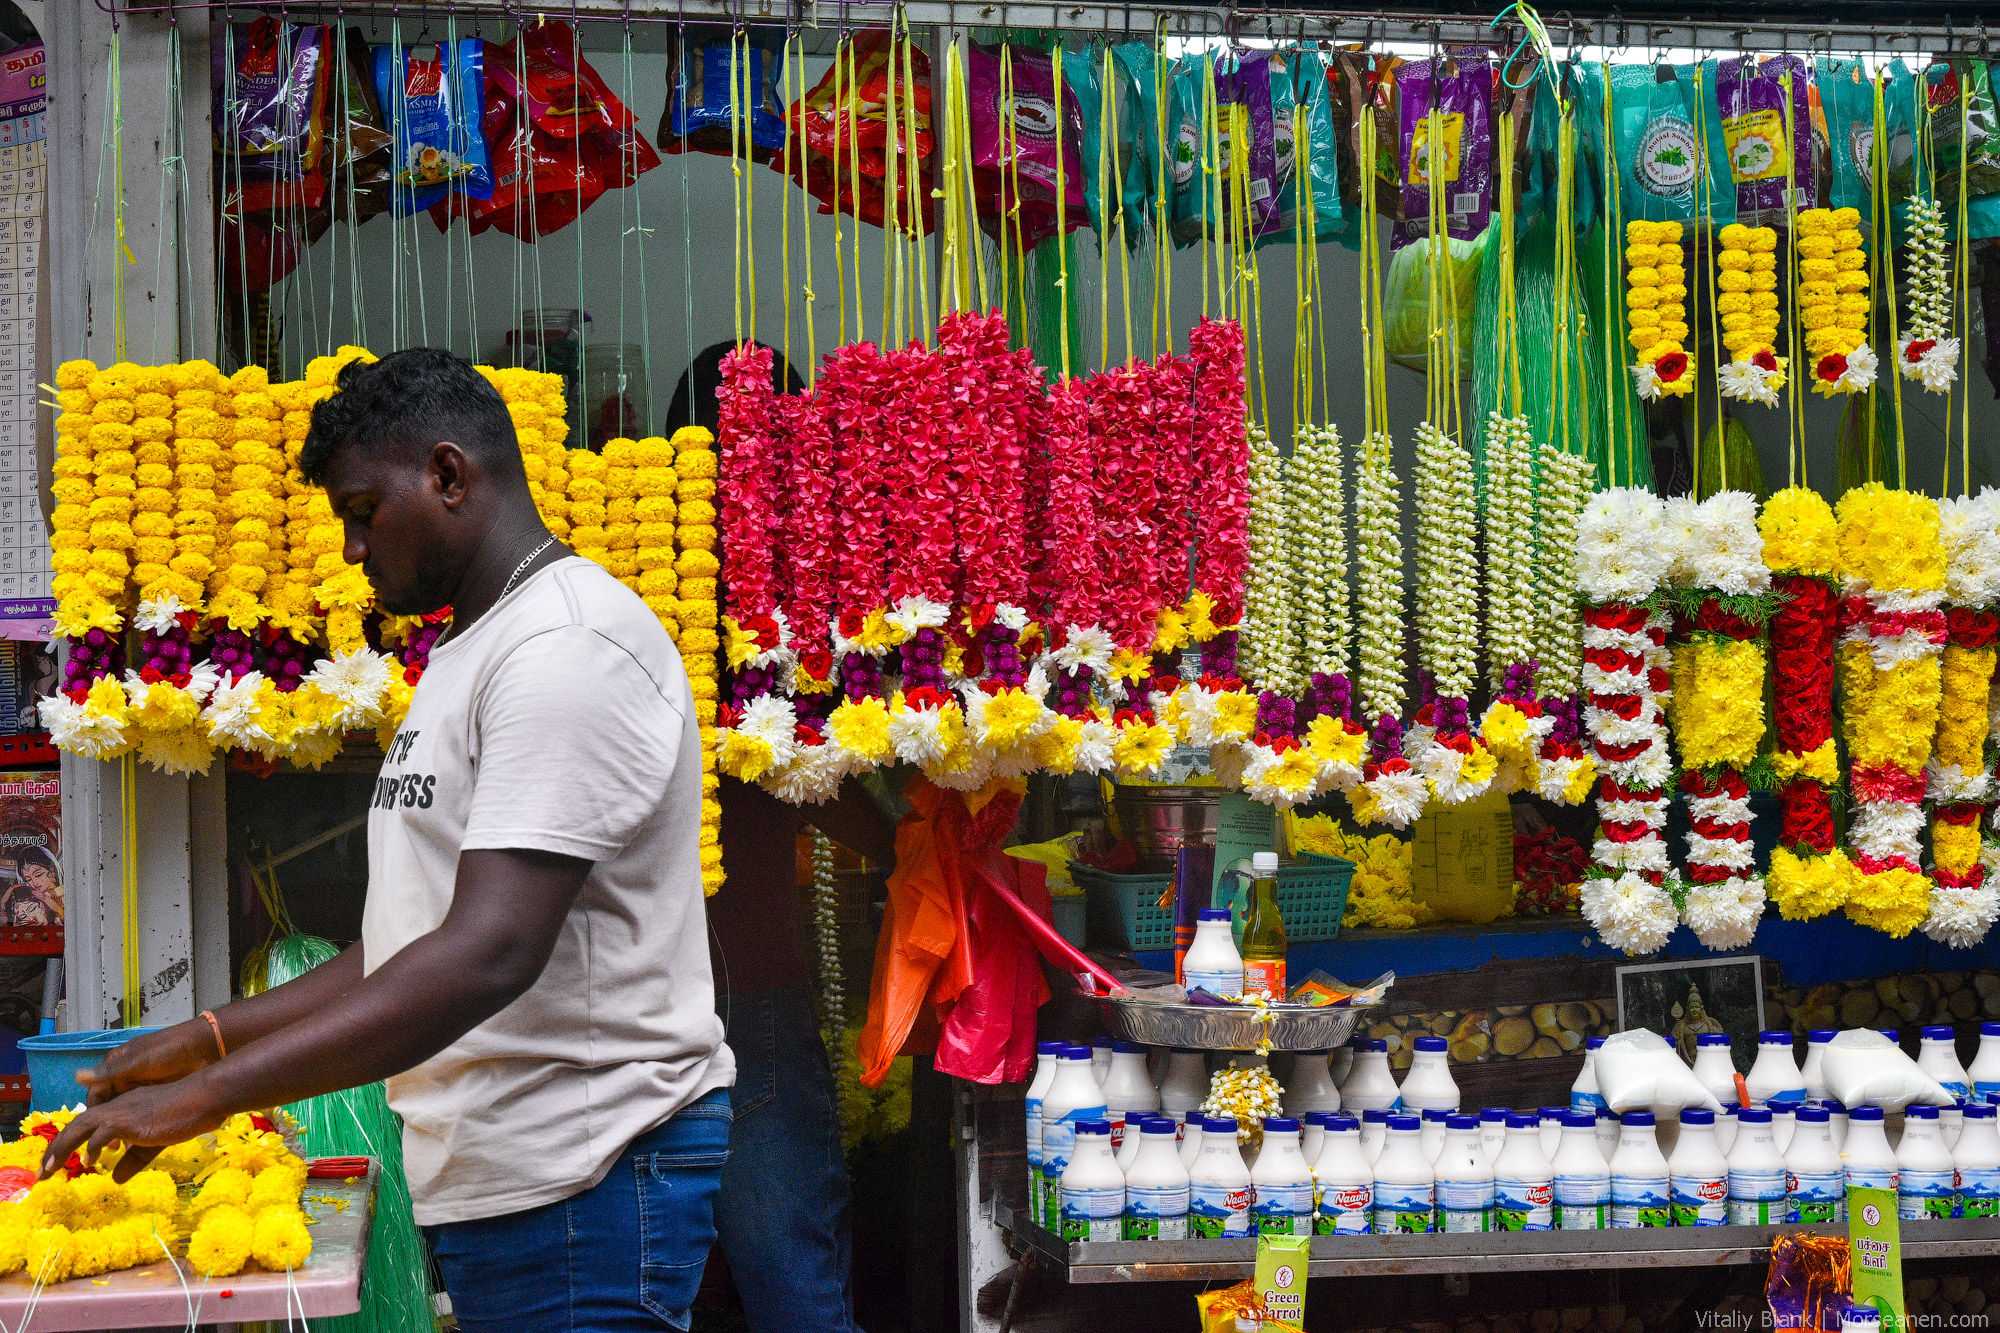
(54, 1060)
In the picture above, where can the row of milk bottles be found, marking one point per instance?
(1113, 1154)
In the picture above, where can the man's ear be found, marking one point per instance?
(450, 473)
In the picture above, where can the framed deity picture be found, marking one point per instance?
(1681, 1001)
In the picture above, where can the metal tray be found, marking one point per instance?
(1214, 1028)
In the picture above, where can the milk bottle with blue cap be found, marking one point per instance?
(1369, 1085)
(1775, 1079)
(1815, 1186)
(1212, 962)
(1312, 1135)
(1713, 1067)
(1815, 1082)
(1046, 1055)
(1405, 1184)
(1464, 1178)
(1281, 1182)
(1092, 1186)
(1937, 1055)
(1698, 1173)
(1346, 1181)
(1219, 1189)
(1156, 1185)
(1524, 1184)
(1865, 1155)
(1186, 1085)
(1977, 1158)
(1757, 1184)
(1073, 1096)
(1582, 1177)
(1427, 1084)
(1926, 1178)
(1984, 1072)
(1128, 1090)
(1374, 1132)
(1583, 1094)
(1639, 1195)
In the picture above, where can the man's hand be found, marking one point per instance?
(158, 1057)
(145, 1120)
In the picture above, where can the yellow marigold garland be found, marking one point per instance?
(1655, 309)
(1747, 302)
(696, 566)
(1834, 299)
(655, 510)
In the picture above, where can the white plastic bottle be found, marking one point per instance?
(1428, 1084)
(1405, 1184)
(1836, 1121)
(1346, 1181)
(1713, 1067)
(1374, 1132)
(1783, 1125)
(1865, 1155)
(1156, 1186)
(1092, 1186)
(1861, 1319)
(1815, 1186)
(1464, 1178)
(1775, 1078)
(1551, 1127)
(1698, 1173)
(1583, 1094)
(1342, 1060)
(1756, 1172)
(1212, 962)
(1639, 1176)
(1311, 1087)
(1937, 1056)
(1951, 1122)
(1312, 1135)
(1191, 1135)
(1370, 1086)
(1128, 1088)
(1926, 1178)
(1186, 1085)
(1073, 1095)
(1726, 1126)
(1984, 1072)
(1977, 1160)
(1524, 1195)
(1609, 1127)
(1219, 1190)
(1101, 1047)
(1816, 1041)
(1582, 1185)
(1128, 1147)
(1282, 1183)
(1046, 1055)
(1492, 1130)
(1431, 1136)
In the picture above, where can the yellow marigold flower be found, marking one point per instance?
(1894, 902)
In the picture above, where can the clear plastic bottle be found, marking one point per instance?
(1311, 1087)
(1101, 1047)
(1836, 1121)
(1816, 1041)
(1984, 1071)
(1775, 1078)
(1264, 932)
(1756, 1172)
(1156, 1186)
(1405, 1184)
(1698, 1173)
(1937, 1055)
(1726, 1126)
(1492, 1130)
(1346, 1181)
(1092, 1186)
(1219, 1189)
(1428, 1084)
(1374, 1132)
(1370, 1086)
(1524, 1195)
(1186, 1085)
(1127, 1088)
(1977, 1160)
(1073, 1096)
(1212, 962)
(1926, 1178)
(1465, 1191)
(1191, 1135)
(1046, 1055)
(1312, 1135)
(1431, 1136)
(1128, 1147)
(1551, 1127)
(1815, 1185)
(1865, 1155)
(1282, 1183)
(1583, 1094)
(1639, 1176)
(1582, 1184)
(1714, 1069)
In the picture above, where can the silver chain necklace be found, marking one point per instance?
(527, 560)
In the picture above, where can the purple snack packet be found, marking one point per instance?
(1243, 98)
(1751, 95)
(1034, 130)
(266, 109)
(1460, 87)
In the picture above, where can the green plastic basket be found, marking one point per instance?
(1123, 910)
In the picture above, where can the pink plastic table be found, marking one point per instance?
(154, 1296)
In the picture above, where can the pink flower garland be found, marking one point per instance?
(811, 538)
(1073, 575)
(1173, 516)
(986, 454)
(1125, 490)
(917, 423)
(1222, 465)
(1018, 401)
(854, 385)
(751, 524)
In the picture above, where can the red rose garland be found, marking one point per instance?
(1804, 632)
(811, 539)
(854, 383)
(1222, 466)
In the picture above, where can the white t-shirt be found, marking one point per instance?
(560, 721)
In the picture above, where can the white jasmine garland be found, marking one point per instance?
(1447, 563)
(826, 943)
(1321, 619)
(1929, 284)
(1265, 640)
(1508, 515)
(1565, 485)
(1379, 591)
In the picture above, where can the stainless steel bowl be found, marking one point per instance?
(1162, 820)
(1215, 1028)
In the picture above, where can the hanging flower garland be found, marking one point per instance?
(1963, 905)
(1621, 558)
(1457, 763)
(756, 633)
(1221, 453)
(1265, 640)
(1930, 354)
(1747, 301)
(1564, 771)
(1892, 572)
(826, 945)
(697, 565)
(1391, 791)
(1808, 876)
(1514, 724)
(1834, 299)
(1655, 310)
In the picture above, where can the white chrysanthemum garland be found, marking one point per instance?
(1563, 770)
(1391, 791)
(1621, 557)
(1964, 900)
(1929, 354)
(1719, 670)
(1455, 762)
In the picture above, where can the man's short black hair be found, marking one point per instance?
(404, 404)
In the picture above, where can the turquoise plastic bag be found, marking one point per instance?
(1847, 103)
(1655, 116)
(1298, 80)
(1138, 65)
(1584, 87)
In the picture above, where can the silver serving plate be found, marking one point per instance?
(1215, 1028)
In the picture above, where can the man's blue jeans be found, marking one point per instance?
(783, 1214)
(623, 1256)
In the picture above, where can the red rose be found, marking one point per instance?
(989, 688)
(187, 620)
(925, 696)
(816, 662)
(807, 734)
(1396, 765)
(851, 623)
(979, 616)
(1765, 360)
(439, 616)
(1918, 348)
(1659, 680)
(763, 630)
(1284, 743)
(413, 673)
(1671, 367)
(1967, 628)
(1697, 874)
(728, 715)
(1831, 367)
(1165, 684)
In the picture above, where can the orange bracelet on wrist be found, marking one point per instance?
(220, 1049)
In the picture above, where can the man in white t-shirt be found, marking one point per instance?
(533, 974)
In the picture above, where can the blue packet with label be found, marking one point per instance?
(434, 105)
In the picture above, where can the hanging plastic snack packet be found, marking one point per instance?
(859, 128)
(1844, 92)
(358, 145)
(1750, 93)
(1205, 204)
(530, 165)
(1035, 125)
(1137, 64)
(1655, 118)
(1244, 85)
(1301, 83)
(698, 115)
(434, 105)
(268, 82)
(1459, 89)
(1366, 84)
(566, 97)
(1943, 83)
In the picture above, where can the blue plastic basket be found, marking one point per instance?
(55, 1059)
(1124, 911)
